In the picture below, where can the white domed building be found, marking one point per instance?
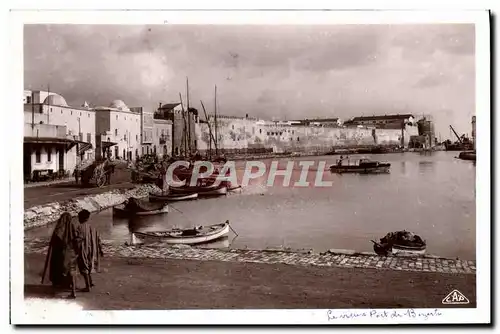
(118, 130)
(57, 136)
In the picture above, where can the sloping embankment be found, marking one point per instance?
(47, 213)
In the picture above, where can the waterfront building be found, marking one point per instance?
(57, 136)
(397, 121)
(321, 122)
(162, 136)
(119, 127)
(184, 140)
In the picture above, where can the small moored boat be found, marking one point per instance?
(400, 242)
(191, 236)
(123, 211)
(361, 166)
(137, 207)
(215, 192)
(155, 197)
(467, 155)
(192, 190)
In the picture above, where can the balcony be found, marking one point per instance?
(45, 131)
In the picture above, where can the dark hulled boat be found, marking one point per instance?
(400, 242)
(361, 166)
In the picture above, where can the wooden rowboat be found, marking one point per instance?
(190, 236)
(192, 190)
(171, 197)
(216, 192)
(122, 211)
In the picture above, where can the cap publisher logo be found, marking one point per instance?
(455, 298)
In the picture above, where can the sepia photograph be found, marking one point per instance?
(317, 165)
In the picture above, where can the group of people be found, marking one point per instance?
(73, 246)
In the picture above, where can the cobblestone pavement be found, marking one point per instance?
(421, 264)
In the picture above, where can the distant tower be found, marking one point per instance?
(85, 105)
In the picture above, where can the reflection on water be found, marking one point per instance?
(431, 195)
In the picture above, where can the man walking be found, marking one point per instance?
(90, 250)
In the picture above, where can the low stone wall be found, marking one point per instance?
(331, 258)
(45, 214)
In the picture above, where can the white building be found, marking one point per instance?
(56, 135)
(120, 127)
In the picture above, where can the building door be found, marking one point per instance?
(61, 159)
(116, 152)
(124, 156)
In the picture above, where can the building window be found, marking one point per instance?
(28, 99)
(136, 137)
(49, 155)
(38, 156)
(298, 139)
(71, 112)
(50, 109)
(267, 133)
(88, 115)
(260, 131)
(61, 111)
(116, 132)
(89, 138)
(116, 117)
(125, 117)
(81, 136)
(233, 126)
(80, 113)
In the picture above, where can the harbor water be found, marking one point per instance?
(430, 194)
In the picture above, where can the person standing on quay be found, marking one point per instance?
(90, 249)
(62, 255)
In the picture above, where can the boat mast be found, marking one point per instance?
(188, 115)
(184, 130)
(216, 135)
(211, 135)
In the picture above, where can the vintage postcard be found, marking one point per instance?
(252, 167)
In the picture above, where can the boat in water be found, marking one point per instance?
(400, 242)
(467, 155)
(220, 191)
(361, 166)
(168, 197)
(137, 207)
(190, 236)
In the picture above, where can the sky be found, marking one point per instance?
(280, 71)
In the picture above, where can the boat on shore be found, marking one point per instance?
(361, 166)
(159, 197)
(190, 236)
(400, 242)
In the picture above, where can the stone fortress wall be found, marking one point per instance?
(240, 133)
